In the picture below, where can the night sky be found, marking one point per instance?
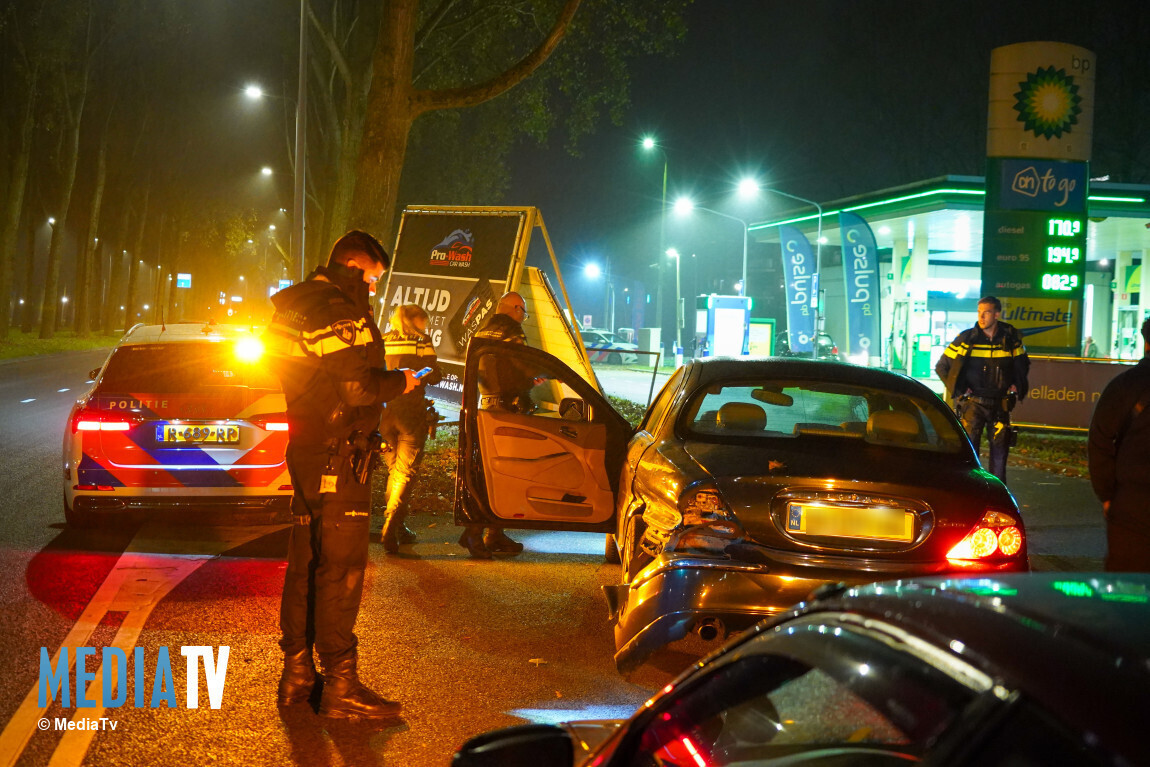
(823, 100)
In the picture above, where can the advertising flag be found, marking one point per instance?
(860, 266)
(798, 269)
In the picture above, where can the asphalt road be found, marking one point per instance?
(467, 646)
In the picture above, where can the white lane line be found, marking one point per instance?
(58, 391)
(155, 562)
(26, 401)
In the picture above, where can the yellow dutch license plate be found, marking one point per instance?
(216, 434)
(881, 524)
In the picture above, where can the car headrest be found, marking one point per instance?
(742, 416)
(892, 426)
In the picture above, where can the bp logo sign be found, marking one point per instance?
(1048, 103)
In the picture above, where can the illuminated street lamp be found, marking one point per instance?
(266, 171)
(254, 92)
(685, 205)
(592, 271)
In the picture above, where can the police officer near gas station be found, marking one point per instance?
(328, 353)
(985, 370)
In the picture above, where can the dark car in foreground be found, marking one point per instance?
(749, 483)
(1029, 669)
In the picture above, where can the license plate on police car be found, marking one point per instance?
(216, 434)
(874, 523)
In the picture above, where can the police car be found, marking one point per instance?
(180, 417)
(602, 347)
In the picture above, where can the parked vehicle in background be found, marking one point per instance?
(602, 347)
(749, 483)
(1032, 669)
(181, 417)
(827, 348)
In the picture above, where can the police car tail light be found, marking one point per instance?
(276, 422)
(997, 533)
(95, 420)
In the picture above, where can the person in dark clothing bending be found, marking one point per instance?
(326, 349)
(406, 345)
(1119, 458)
(503, 385)
(981, 368)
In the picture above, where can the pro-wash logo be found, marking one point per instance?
(1048, 103)
(454, 251)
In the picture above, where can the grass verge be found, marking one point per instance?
(19, 344)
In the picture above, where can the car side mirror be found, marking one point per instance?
(528, 745)
(572, 409)
(93, 373)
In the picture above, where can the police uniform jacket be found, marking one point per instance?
(986, 367)
(409, 411)
(503, 377)
(328, 354)
(1118, 446)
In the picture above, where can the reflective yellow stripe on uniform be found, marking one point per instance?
(331, 339)
(401, 346)
(982, 351)
(954, 352)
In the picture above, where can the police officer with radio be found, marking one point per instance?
(327, 351)
(985, 370)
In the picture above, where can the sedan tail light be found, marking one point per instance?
(996, 534)
(99, 420)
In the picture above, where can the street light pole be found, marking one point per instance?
(678, 323)
(649, 143)
(742, 292)
(297, 240)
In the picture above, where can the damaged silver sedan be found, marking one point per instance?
(749, 483)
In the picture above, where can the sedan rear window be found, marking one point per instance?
(796, 409)
(183, 368)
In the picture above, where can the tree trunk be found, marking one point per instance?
(52, 280)
(10, 226)
(87, 253)
(31, 305)
(134, 263)
(385, 139)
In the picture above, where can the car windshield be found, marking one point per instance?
(182, 368)
(775, 409)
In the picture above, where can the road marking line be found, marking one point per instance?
(26, 401)
(154, 563)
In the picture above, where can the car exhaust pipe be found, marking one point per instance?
(710, 629)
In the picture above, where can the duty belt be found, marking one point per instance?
(985, 400)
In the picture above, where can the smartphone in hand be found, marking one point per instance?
(423, 372)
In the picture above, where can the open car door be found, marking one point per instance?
(539, 448)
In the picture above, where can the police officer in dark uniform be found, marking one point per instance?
(327, 352)
(1119, 448)
(503, 385)
(985, 368)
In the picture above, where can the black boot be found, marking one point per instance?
(472, 540)
(497, 541)
(387, 536)
(297, 679)
(405, 534)
(345, 697)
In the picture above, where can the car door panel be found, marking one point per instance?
(538, 469)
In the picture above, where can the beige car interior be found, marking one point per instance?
(541, 467)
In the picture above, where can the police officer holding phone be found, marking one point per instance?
(405, 427)
(328, 353)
